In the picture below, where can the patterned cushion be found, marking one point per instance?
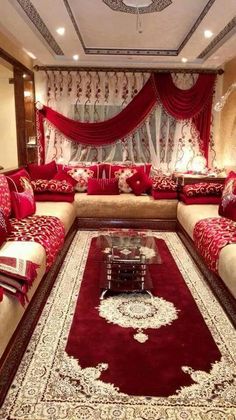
(23, 203)
(201, 189)
(111, 168)
(52, 185)
(15, 181)
(103, 186)
(64, 176)
(122, 175)
(163, 183)
(5, 197)
(227, 206)
(139, 183)
(81, 175)
(5, 227)
(96, 168)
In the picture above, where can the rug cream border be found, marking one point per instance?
(50, 385)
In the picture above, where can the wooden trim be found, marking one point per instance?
(128, 70)
(216, 284)
(101, 223)
(15, 63)
(14, 352)
(20, 115)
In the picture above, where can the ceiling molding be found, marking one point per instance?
(134, 51)
(37, 21)
(127, 70)
(120, 6)
(219, 39)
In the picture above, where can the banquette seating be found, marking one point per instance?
(159, 210)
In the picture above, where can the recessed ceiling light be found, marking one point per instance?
(75, 57)
(24, 76)
(208, 34)
(184, 60)
(30, 54)
(60, 31)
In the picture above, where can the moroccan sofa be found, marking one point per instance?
(93, 211)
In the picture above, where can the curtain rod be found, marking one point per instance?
(127, 70)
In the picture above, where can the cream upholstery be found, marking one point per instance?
(66, 212)
(11, 310)
(188, 216)
(124, 206)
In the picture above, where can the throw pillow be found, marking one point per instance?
(23, 203)
(203, 189)
(54, 197)
(81, 175)
(227, 207)
(122, 175)
(52, 185)
(139, 183)
(16, 180)
(211, 199)
(5, 196)
(5, 227)
(45, 171)
(111, 168)
(64, 176)
(163, 183)
(103, 186)
(96, 168)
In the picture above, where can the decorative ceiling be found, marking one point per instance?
(123, 33)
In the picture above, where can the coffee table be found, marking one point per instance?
(125, 260)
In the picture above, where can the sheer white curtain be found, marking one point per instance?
(96, 96)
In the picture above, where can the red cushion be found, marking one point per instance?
(139, 183)
(200, 200)
(110, 169)
(64, 176)
(227, 207)
(103, 186)
(15, 180)
(52, 185)
(48, 196)
(201, 189)
(45, 171)
(5, 227)
(162, 195)
(163, 183)
(5, 196)
(23, 204)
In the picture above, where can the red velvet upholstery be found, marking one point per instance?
(139, 183)
(45, 171)
(103, 186)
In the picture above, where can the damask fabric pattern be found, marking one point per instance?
(50, 384)
(52, 185)
(81, 175)
(203, 189)
(46, 230)
(5, 197)
(122, 175)
(163, 183)
(211, 235)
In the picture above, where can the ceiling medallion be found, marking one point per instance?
(144, 6)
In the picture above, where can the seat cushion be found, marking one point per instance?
(64, 211)
(124, 206)
(189, 215)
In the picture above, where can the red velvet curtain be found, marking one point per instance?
(194, 103)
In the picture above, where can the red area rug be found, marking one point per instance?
(155, 359)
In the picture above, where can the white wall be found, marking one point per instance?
(8, 143)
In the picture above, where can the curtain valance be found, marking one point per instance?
(194, 103)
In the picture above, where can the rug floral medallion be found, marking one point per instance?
(129, 356)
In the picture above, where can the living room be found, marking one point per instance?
(117, 210)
